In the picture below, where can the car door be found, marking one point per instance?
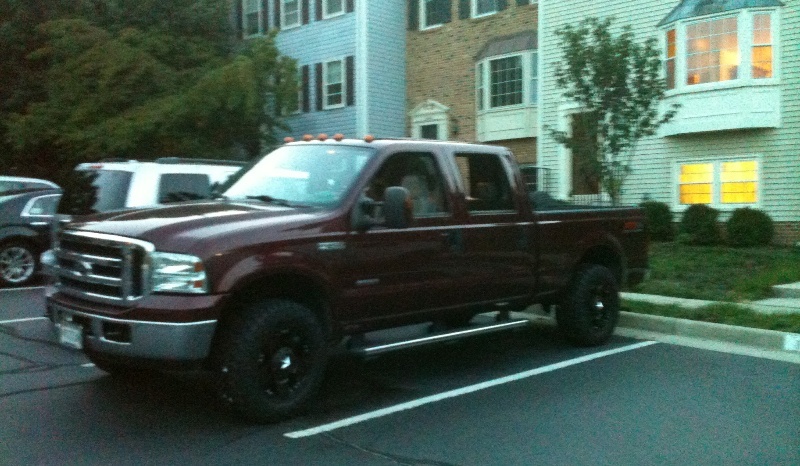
(393, 271)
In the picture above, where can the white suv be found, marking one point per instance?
(130, 183)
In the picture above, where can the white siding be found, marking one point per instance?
(655, 160)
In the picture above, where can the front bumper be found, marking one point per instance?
(132, 339)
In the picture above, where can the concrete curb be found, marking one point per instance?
(770, 340)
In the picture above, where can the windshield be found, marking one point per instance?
(312, 175)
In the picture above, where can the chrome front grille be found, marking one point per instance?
(101, 267)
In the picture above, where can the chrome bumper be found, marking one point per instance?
(137, 339)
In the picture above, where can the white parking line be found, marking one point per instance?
(461, 391)
(22, 288)
(14, 321)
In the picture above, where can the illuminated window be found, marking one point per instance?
(718, 183)
(762, 46)
(696, 183)
(712, 51)
(669, 64)
(738, 182)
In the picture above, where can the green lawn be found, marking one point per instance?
(721, 314)
(719, 273)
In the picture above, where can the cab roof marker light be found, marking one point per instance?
(369, 138)
(322, 136)
(307, 137)
(338, 137)
(288, 139)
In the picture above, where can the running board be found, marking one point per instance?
(440, 337)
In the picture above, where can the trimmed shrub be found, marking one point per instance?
(699, 225)
(749, 227)
(659, 220)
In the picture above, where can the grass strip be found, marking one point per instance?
(720, 313)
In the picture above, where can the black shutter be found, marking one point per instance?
(277, 14)
(350, 71)
(445, 14)
(413, 15)
(305, 7)
(502, 5)
(306, 89)
(464, 9)
(318, 77)
(265, 14)
(318, 8)
(350, 6)
(239, 19)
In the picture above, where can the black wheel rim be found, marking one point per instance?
(285, 362)
(600, 311)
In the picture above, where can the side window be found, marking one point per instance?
(486, 182)
(176, 187)
(44, 206)
(420, 175)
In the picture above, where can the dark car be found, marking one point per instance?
(27, 206)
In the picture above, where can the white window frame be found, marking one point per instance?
(259, 11)
(744, 22)
(298, 10)
(325, 6)
(716, 183)
(423, 16)
(325, 84)
(528, 59)
(474, 9)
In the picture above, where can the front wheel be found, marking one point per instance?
(17, 263)
(590, 310)
(271, 360)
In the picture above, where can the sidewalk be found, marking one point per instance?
(743, 340)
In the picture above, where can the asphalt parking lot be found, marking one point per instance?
(522, 397)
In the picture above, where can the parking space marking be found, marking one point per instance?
(15, 321)
(461, 391)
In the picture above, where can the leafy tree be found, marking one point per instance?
(140, 79)
(617, 83)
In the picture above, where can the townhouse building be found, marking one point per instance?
(351, 61)
(472, 72)
(734, 67)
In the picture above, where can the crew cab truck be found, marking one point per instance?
(322, 241)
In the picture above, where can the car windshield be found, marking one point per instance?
(312, 175)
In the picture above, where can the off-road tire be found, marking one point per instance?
(271, 359)
(18, 263)
(590, 309)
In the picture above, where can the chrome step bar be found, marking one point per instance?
(375, 349)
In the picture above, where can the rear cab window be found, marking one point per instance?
(487, 183)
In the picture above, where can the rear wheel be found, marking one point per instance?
(271, 360)
(590, 310)
(17, 263)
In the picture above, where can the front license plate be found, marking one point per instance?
(71, 335)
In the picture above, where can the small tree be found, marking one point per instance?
(617, 83)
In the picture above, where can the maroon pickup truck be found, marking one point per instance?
(323, 241)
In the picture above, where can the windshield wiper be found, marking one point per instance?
(275, 200)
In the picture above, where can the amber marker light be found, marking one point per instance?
(307, 137)
(338, 136)
(288, 139)
(369, 138)
(322, 136)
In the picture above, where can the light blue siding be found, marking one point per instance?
(386, 68)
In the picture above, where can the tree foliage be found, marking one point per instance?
(137, 79)
(617, 84)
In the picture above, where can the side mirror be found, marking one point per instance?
(394, 212)
(397, 207)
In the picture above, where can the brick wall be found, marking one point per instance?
(441, 66)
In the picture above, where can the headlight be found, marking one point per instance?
(177, 273)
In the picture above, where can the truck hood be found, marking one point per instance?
(188, 227)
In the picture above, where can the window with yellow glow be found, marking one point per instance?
(712, 51)
(696, 182)
(739, 181)
(735, 181)
(669, 64)
(762, 46)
